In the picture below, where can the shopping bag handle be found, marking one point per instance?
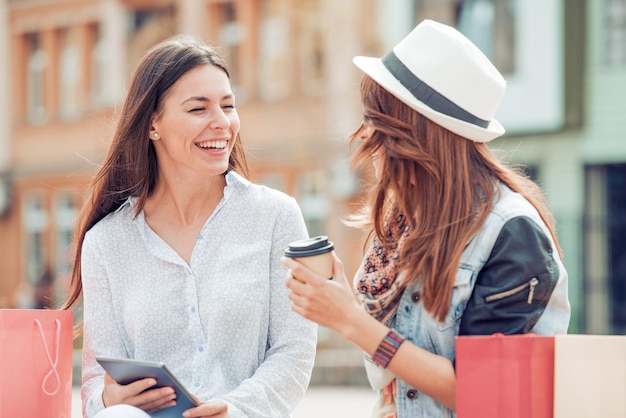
(53, 364)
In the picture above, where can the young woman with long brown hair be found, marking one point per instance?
(461, 243)
(178, 253)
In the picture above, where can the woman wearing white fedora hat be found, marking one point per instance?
(461, 243)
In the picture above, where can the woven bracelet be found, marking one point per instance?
(387, 348)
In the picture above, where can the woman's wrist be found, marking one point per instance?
(387, 348)
(349, 327)
(363, 330)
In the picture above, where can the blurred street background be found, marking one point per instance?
(65, 64)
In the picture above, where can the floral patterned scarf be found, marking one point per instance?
(379, 289)
(376, 283)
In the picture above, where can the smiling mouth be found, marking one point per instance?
(214, 145)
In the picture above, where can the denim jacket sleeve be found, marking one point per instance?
(514, 286)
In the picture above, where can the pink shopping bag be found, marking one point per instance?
(504, 376)
(35, 363)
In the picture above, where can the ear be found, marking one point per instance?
(154, 131)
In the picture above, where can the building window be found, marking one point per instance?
(515, 35)
(310, 48)
(273, 43)
(148, 25)
(35, 67)
(615, 17)
(66, 211)
(616, 212)
(490, 24)
(227, 34)
(98, 64)
(314, 199)
(604, 260)
(37, 270)
(69, 76)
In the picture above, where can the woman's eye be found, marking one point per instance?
(197, 109)
(230, 106)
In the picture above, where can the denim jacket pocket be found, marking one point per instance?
(460, 294)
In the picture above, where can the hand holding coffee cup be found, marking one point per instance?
(314, 253)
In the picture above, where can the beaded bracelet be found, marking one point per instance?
(387, 348)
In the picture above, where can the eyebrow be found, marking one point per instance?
(205, 99)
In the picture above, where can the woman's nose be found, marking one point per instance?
(364, 133)
(219, 120)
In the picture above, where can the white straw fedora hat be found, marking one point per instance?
(441, 74)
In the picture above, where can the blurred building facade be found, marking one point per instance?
(69, 62)
(65, 64)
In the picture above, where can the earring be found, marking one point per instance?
(156, 134)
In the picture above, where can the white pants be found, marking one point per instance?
(121, 411)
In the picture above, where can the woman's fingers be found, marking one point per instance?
(138, 394)
(295, 285)
(301, 272)
(155, 399)
(326, 302)
(139, 386)
(338, 269)
(114, 393)
(214, 409)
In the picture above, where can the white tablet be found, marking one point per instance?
(126, 371)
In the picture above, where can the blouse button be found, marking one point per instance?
(415, 297)
(411, 394)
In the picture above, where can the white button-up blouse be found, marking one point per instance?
(222, 324)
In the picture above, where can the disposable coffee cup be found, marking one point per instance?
(315, 253)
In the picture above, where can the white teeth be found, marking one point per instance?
(213, 145)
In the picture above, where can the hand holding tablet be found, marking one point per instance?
(126, 371)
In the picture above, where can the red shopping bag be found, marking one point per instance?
(35, 363)
(502, 376)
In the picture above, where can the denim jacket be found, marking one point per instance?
(510, 280)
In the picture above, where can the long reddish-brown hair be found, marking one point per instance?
(130, 167)
(443, 183)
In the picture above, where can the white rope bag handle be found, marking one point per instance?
(53, 364)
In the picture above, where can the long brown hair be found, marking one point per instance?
(443, 183)
(130, 167)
